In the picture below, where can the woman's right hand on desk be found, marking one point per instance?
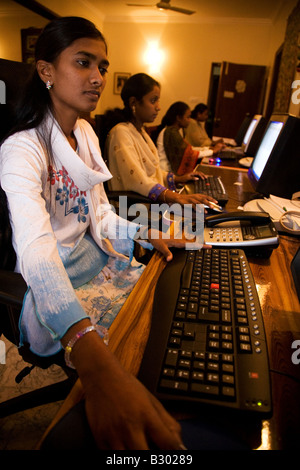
(172, 197)
(121, 412)
(188, 177)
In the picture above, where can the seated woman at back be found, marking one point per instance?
(196, 134)
(182, 156)
(131, 153)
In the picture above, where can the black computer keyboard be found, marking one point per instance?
(211, 186)
(207, 343)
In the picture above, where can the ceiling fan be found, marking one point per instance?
(163, 6)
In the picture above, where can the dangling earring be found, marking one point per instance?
(48, 85)
(133, 110)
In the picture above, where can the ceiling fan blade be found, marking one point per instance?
(139, 5)
(165, 5)
(182, 10)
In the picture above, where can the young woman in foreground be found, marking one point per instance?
(74, 253)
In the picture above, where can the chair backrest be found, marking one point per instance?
(101, 130)
(13, 76)
(12, 285)
(7, 252)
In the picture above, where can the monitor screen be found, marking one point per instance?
(254, 135)
(250, 131)
(266, 147)
(276, 165)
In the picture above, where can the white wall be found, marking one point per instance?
(11, 23)
(14, 17)
(190, 50)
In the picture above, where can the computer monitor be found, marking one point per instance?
(276, 166)
(242, 130)
(254, 135)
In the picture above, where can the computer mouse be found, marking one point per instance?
(214, 207)
(246, 161)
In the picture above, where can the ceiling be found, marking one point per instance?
(206, 10)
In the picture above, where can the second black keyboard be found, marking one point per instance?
(211, 186)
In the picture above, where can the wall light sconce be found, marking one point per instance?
(154, 57)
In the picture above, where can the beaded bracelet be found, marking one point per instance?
(164, 194)
(102, 332)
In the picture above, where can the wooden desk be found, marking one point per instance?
(281, 312)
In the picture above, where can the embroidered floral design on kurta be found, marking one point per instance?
(68, 192)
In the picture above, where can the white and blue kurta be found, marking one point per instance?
(70, 244)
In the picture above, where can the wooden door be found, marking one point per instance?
(241, 91)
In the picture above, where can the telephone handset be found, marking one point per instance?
(240, 229)
(255, 218)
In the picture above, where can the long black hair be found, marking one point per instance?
(199, 108)
(55, 38)
(176, 109)
(136, 86)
